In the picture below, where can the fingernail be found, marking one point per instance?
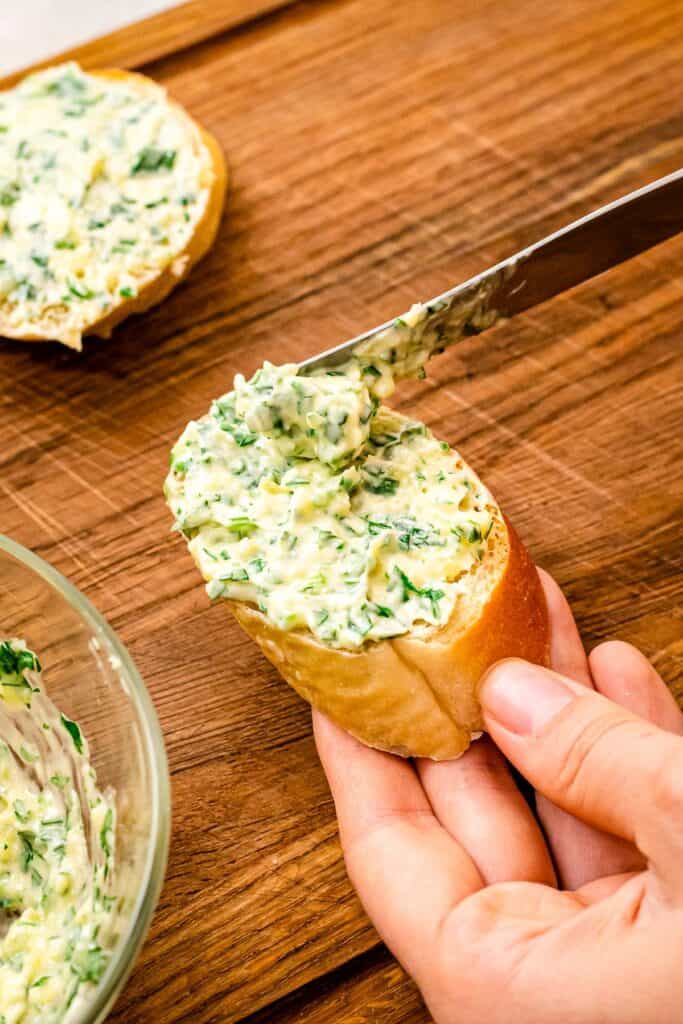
(523, 697)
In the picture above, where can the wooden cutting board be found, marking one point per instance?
(381, 150)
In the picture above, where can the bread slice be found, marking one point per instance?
(68, 321)
(372, 567)
(416, 695)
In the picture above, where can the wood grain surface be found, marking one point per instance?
(381, 150)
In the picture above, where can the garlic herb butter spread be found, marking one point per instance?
(102, 185)
(306, 496)
(57, 833)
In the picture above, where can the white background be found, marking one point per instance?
(31, 30)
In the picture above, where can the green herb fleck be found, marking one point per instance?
(74, 732)
(106, 832)
(234, 576)
(80, 291)
(432, 595)
(151, 158)
(9, 194)
(378, 483)
(242, 526)
(28, 850)
(384, 613)
(20, 811)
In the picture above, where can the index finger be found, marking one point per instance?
(407, 870)
(567, 655)
(582, 853)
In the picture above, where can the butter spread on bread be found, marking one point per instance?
(325, 509)
(104, 184)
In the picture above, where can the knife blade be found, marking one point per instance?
(581, 250)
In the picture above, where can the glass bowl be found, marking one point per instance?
(91, 678)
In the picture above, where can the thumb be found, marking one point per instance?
(591, 757)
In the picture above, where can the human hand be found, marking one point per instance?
(495, 922)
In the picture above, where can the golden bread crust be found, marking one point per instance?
(412, 696)
(160, 285)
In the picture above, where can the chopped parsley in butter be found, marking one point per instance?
(307, 497)
(57, 836)
(102, 184)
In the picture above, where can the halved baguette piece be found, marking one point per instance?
(137, 284)
(364, 556)
(416, 696)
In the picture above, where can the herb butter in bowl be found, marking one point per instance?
(84, 801)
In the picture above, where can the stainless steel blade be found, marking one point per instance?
(575, 253)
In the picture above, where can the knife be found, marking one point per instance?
(575, 253)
